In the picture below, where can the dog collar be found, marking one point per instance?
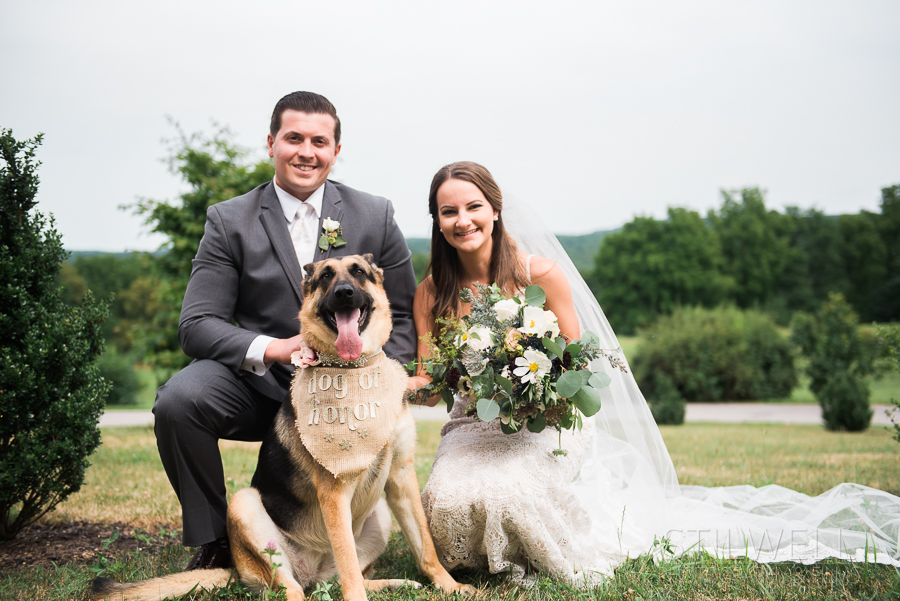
(335, 361)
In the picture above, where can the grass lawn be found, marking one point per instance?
(126, 484)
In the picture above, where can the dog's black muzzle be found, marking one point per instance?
(345, 296)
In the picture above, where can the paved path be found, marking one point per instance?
(734, 413)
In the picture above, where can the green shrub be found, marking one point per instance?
(714, 355)
(666, 403)
(118, 369)
(51, 393)
(845, 403)
(839, 357)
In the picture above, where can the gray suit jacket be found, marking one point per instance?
(246, 279)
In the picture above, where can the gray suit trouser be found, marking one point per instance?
(202, 403)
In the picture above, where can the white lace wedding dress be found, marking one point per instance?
(502, 502)
(507, 504)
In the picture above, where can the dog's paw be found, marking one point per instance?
(395, 583)
(465, 589)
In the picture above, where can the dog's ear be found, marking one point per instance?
(310, 270)
(379, 273)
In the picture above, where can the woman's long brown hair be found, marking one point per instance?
(444, 266)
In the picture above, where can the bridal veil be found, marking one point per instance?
(629, 486)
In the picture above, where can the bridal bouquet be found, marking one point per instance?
(507, 359)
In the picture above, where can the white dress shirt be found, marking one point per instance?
(302, 219)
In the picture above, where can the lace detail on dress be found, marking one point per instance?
(505, 502)
(528, 268)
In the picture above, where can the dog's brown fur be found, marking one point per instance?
(324, 525)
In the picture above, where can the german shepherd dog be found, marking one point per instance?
(313, 522)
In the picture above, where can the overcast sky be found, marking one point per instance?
(594, 111)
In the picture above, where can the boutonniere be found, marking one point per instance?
(331, 235)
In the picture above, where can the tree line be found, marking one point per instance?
(742, 254)
(753, 257)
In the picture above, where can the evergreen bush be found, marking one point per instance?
(839, 357)
(118, 369)
(845, 403)
(666, 403)
(51, 394)
(720, 354)
(890, 339)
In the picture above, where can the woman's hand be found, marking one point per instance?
(418, 382)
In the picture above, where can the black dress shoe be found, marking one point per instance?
(216, 554)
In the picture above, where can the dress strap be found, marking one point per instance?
(528, 268)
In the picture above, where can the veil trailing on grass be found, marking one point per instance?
(630, 489)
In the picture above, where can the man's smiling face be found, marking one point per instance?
(304, 151)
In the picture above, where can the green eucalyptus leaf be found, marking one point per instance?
(600, 380)
(569, 384)
(573, 349)
(589, 339)
(537, 423)
(510, 428)
(585, 376)
(504, 383)
(552, 347)
(488, 410)
(339, 241)
(323, 243)
(535, 296)
(587, 400)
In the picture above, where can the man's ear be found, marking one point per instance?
(270, 141)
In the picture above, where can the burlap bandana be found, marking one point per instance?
(346, 415)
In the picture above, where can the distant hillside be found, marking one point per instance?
(580, 248)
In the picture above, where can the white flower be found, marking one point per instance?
(512, 338)
(552, 325)
(532, 366)
(330, 225)
(506, 309)
(534, 321)
(305, 357)
(481, 339)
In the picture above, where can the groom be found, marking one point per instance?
(239, 317)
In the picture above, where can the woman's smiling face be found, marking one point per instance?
(465, 217)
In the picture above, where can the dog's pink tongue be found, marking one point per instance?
(349, 344)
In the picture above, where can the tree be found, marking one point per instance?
(216, 170)
(651, 267)
(864, 259)
(51, 394)
(885, 301)
(754, 245)
(814, 265)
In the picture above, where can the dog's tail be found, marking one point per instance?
(173, 585)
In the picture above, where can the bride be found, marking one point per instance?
(508, 504)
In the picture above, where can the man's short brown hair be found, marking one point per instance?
(305, 102)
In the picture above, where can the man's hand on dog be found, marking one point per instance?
(280, 349)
